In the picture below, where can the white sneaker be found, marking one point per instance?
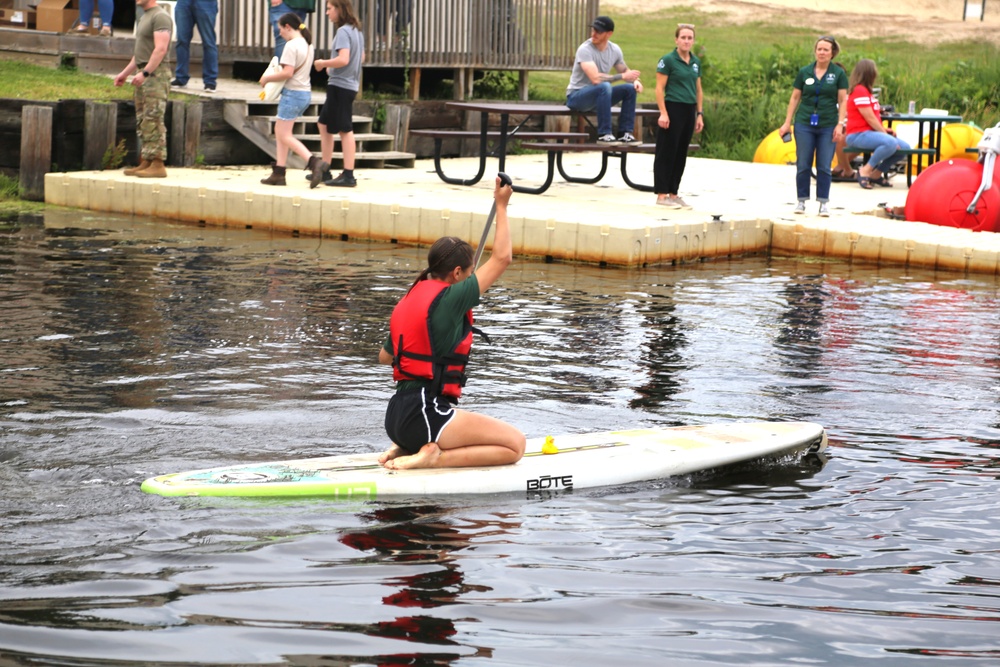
(800, 208)
(824, 210)
(680, 203)
(628, 140)
(607, 140)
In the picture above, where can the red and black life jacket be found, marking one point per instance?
(413, 350)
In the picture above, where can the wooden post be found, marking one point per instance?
(175, 147)
(522, 84)
(100, 121)
(557, 124)
(192, 133)
(397, 123)
(36, 151)
(415, 84)
(473, 123)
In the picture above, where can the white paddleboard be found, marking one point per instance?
(576, 461)
(272, 90)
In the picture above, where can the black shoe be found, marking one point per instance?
(209, 87)
(342, 181)
(176, 83)
(327, 176)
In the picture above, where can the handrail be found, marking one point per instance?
(483, 34)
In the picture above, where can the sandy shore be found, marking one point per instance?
(921, 21)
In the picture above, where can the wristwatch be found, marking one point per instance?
(700, 114)
(146, 74)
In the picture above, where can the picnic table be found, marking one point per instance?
(513, 116)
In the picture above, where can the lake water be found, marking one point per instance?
(132, 348)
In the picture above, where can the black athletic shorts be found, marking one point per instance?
(415, 417)
(336, 113)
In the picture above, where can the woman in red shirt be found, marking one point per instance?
(865, 129)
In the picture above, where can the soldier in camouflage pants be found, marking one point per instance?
(150, 110)
(150, 74)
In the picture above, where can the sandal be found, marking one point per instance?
(882, 181)
(864, 182)
(840, 177)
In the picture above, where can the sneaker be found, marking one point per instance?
(607, 140)
(680, 203)
(176, 83)
(342, 181)
(628, 140)
(800, 208)
(824, 210)
(209, 87)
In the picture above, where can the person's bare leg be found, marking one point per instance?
(469, 440)
(325, 143)
(843, 162)
(349, 148)
(282, 134)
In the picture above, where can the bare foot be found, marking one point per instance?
(427, 457)
(390, 454)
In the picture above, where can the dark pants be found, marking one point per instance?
(672, 147)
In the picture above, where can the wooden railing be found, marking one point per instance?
(483, 34)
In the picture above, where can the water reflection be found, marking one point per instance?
(135, 347)
(421, 537)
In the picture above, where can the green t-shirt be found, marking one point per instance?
(682, 77)
(819, 96)
(447, 322)
(152, 21)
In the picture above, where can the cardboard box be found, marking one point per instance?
(57, 15)
(17, 18)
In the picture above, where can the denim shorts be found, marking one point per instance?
(293, 103)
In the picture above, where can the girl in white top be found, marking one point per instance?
(296, 96)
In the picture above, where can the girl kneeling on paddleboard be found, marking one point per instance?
(430, 336)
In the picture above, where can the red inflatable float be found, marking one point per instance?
(943, 191)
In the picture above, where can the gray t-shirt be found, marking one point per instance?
(605, 60)
(348, 76)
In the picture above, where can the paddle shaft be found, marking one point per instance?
(504, 180)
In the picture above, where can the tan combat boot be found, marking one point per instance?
(142, 165)
(154, 170)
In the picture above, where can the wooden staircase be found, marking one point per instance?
(255, 121)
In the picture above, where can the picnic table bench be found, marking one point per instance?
(910, 152)
(555, 162)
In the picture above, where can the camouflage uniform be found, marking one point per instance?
(151, 96)
(150, 110)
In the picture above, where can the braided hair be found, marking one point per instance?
(447, 253)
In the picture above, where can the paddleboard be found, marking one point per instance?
(550, 464)
(272, 90)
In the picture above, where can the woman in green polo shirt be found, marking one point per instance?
(818, 105)
(678, 94)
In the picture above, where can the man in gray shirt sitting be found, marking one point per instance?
(590, 85)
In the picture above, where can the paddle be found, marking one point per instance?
(504, 180)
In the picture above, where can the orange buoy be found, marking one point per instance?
(943, 191)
